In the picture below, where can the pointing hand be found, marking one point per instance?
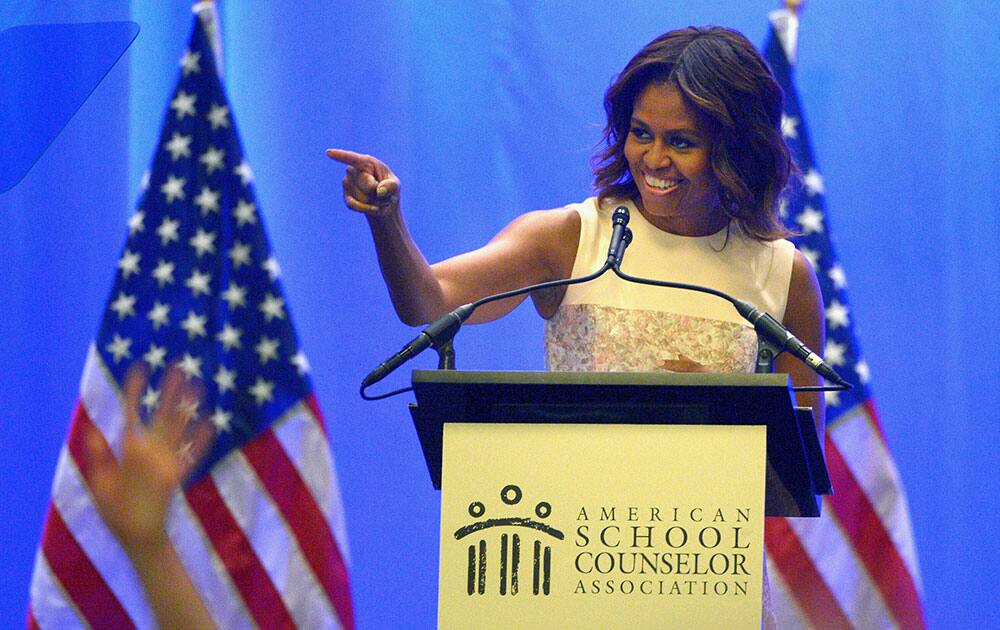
(370, 186)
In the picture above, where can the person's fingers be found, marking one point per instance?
(104, 489)
(361, 163)
(693, 365)
(371, 196)
(135, 382)
(198, 439)
(681, 364)
(351, 189)
(370, 186)
(103, 475)
(350, 158)
(171, 400)
(387, 188)
(367, 189)
(362, 185)
(177, 423)
(99, 457)
(365, 183)
(354, 204)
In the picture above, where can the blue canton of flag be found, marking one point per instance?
(197, 282)
(856, 566)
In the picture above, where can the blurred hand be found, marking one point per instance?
(132, 494)
(369, 185)
(682, 364)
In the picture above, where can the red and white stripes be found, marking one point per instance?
(258, 535)
(856, 565)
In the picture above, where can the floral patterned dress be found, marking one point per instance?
(613, 325)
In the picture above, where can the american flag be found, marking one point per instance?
(259, 528)
(856, 566)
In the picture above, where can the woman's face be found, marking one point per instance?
(667, 150)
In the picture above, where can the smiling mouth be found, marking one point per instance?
(657, 185)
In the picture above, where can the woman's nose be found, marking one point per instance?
(658, 156)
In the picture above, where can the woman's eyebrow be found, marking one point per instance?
(687, 130)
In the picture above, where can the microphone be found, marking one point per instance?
(439, 332)
(620, 250)
(777, 333)
(765, 325)
(619, 219)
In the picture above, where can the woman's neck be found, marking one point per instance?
(704, 223)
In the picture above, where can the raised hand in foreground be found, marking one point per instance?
(132, 494)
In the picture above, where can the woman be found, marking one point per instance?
(693, 147)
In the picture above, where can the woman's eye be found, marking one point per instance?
(681, 143)
(640, 134)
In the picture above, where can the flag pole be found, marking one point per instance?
(786, 25)
(208, 14)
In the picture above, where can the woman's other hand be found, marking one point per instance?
(682, 364)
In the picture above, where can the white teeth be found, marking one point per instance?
(655, 182)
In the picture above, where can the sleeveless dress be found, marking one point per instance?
(613, 325)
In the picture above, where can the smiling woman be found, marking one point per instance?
(668, 153)
(711, 97)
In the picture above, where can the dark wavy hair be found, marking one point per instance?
(725, 80)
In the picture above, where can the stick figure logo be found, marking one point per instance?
(509, 555)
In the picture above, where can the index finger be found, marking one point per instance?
(135, 383)
(350, 158)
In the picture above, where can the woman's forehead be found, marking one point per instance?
(663, 105)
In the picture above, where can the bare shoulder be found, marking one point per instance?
(557, 222)
(804, 310)
(803, 289)
(553, 235)
(805, 318)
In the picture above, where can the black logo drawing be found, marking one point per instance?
(510, 546)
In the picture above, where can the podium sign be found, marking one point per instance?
(601, 526)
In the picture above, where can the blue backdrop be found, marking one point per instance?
(487, 109)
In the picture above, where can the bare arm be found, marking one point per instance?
(536, 247)
(132, 495)
(804, 318)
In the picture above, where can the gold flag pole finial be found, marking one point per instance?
(795, 6)
(208, 13)
(786, 26)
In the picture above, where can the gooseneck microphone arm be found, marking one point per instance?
(440, 332)
(773, 337)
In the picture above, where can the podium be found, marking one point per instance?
(611, 499)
